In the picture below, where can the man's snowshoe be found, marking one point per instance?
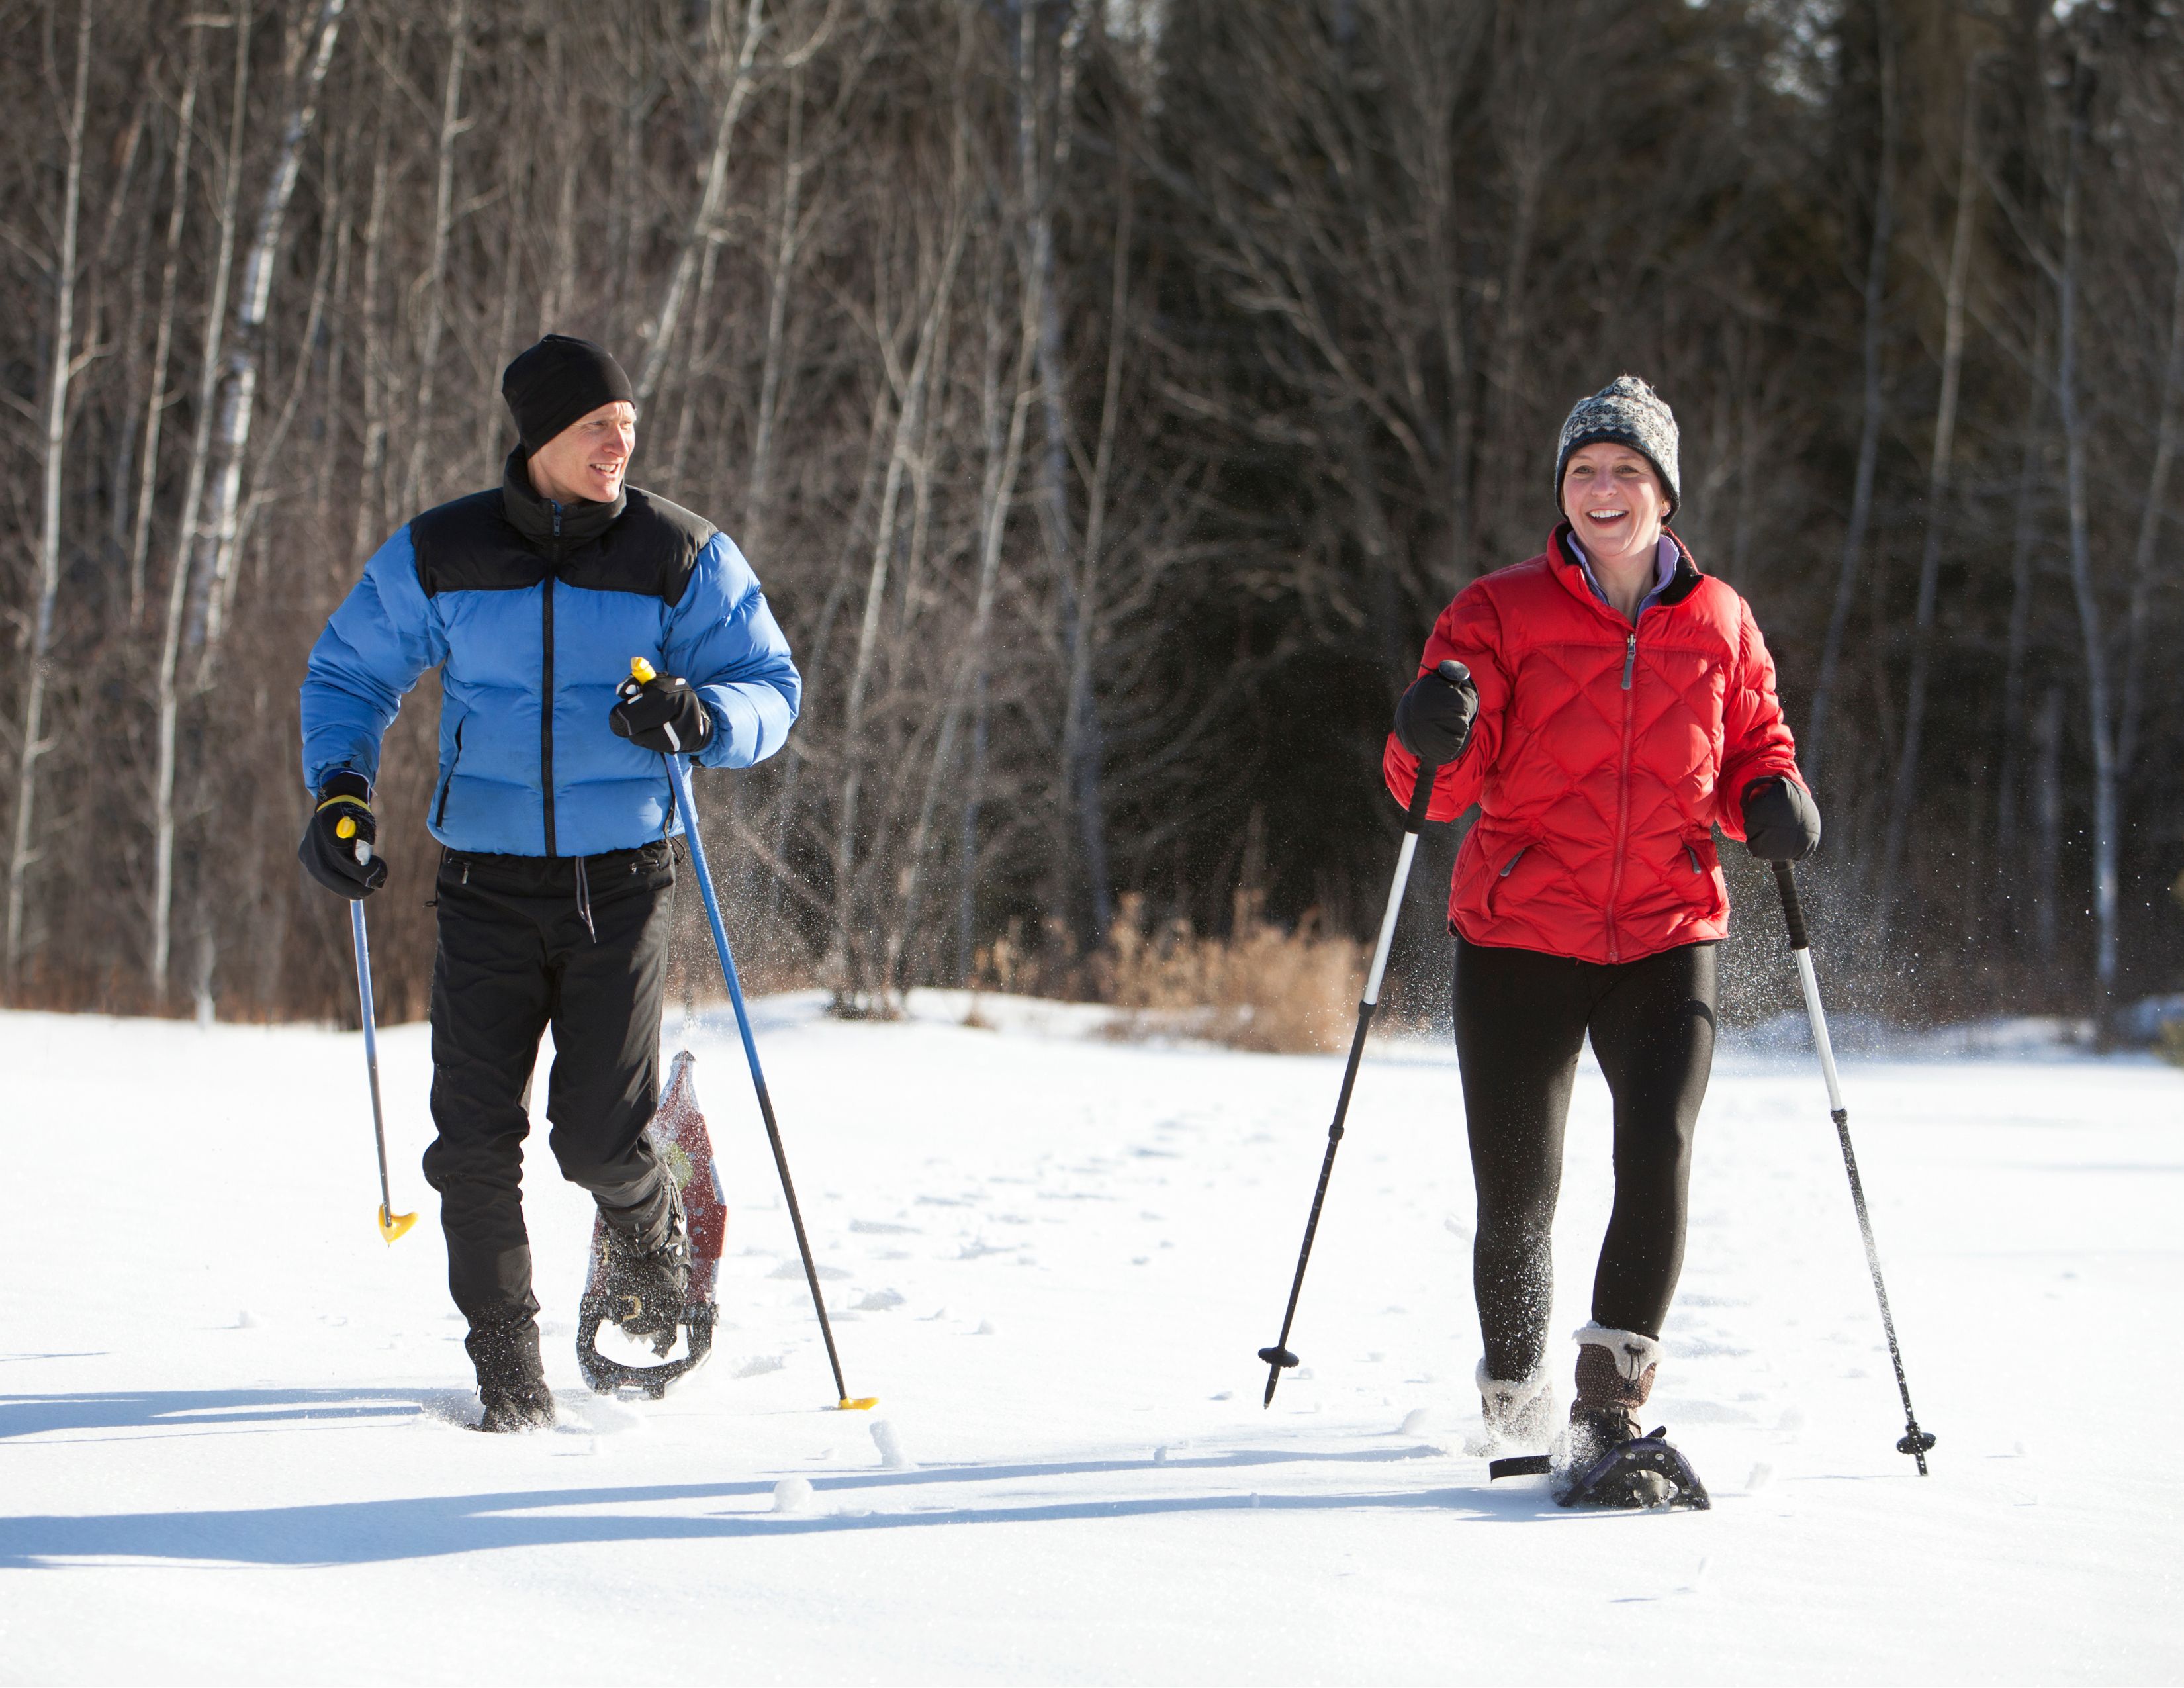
(652, 1293)
(1643, 1471)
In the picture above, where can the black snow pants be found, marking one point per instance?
(526, 943)
(1521, 1019)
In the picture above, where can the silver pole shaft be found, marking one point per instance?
(1388, 919)
(1810, 981)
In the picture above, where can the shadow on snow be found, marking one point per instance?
(364, 1532)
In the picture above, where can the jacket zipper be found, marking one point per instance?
(546, 684)
(1622, 794)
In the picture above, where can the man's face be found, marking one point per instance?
(586, 461)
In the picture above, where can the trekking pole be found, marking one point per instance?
(1278, 1356)
(1915, 1441)
(678, 772)
(391, 1223)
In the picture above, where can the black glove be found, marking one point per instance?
(1432, 719)
(336, 846)
(1781, 822)
(661, 714)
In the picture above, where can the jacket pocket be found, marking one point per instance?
(447, 774)
(1699, 866)
(1506, 871)
(1504, 881)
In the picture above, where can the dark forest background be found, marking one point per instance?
(1109, 393)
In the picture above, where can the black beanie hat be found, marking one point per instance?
(558, 382)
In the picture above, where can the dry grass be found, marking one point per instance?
(1261, 987)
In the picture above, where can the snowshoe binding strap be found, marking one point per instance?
(1645, 1471)
(608, 1377)
(1518, 1465)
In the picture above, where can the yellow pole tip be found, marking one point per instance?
(863, 1403)
(642, 671)
(344, 827)
(395, 1227)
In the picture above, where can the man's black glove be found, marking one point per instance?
(661, 714)
(1781, 822)
(1434, 717)
(336, 847)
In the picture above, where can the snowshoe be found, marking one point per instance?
(653, 1295)
(1641, 1472)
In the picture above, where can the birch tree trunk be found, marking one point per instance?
(178, 582)
(2098, 720)
(374, 376)
(215, 543)
(760, 484)
(34, 744)
(1869, 439)
(996, 494)
(909, 416)
(1906, 795)
(2024, 531)
(1080, 733)
(704, 219)
(436, 271)
(159, 399)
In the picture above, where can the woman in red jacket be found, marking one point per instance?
(1621, 707)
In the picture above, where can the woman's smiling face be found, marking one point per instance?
(1613, 499)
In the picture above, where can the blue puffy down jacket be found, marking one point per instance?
(532, 612)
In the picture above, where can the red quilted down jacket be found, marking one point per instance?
(1603, 759)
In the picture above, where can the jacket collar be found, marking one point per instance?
(533, 516)
(1562, 553)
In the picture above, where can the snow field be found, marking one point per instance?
(230, 1417)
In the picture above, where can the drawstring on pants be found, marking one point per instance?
(584, 900)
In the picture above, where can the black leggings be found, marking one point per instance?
(1521, 1018)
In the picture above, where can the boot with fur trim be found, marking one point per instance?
(1516, 1418)
(1615, 1373)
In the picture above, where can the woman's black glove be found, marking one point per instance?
(1781, 822)
(1434, 717)
(337, 845)
(662, 714)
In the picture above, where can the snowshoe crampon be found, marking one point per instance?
(1645, 1471)
(685, 1149)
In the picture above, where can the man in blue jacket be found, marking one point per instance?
(553, 808)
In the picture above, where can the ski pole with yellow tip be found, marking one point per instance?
(391, 1223)
(641, 672)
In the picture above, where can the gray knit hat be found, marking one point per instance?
(1630, 413)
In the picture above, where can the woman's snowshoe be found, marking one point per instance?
(1643, 1471)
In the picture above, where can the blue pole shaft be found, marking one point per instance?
(678, 771)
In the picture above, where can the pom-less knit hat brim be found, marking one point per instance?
(560, 380)
(1629, 413)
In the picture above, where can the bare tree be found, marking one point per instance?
(62, 371)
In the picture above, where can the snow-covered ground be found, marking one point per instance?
(230, 1417)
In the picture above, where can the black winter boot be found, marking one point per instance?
(511, 1379)
(1615, 1373)
(645, 1278)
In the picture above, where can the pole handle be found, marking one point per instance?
(1414, 817)
(1793, 911)
(1450, 673)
